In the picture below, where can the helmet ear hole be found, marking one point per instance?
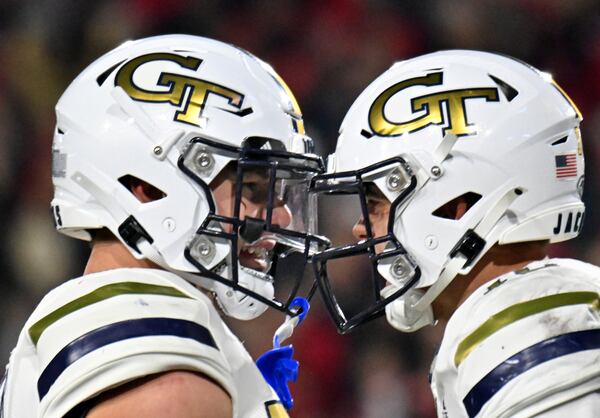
(142, 190)
(457, 207)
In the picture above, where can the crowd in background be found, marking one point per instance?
(327, 51)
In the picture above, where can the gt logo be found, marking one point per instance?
(456, 123)
(186, 93)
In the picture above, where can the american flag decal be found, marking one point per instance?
(566, 166)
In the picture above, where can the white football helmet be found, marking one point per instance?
(173, 111)
(445, 125)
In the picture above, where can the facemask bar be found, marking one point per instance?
(353, 182)
(270, 156)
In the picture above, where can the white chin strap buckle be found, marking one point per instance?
(401, 313)
(239, 305)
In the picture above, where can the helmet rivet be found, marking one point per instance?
(431, 242)
(158, 150)
(169, 224)
(436, 171)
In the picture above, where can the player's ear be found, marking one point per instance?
(457, 207)
(143, 191)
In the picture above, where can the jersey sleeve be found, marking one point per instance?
(579, 407)
(530, 349)
(93, 334)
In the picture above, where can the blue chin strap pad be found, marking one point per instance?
(277, 365)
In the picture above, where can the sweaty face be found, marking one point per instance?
(253, 204)
(379, 211)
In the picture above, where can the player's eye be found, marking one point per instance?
(377, 203)
(255, 191)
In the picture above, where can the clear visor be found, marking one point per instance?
(262, 189)
(275, 200)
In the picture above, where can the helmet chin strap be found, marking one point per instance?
(239, 305)
(152, 254)
(413, 310)
(234, 303)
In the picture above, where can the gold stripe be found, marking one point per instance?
(579, 144)
(295, 106)
(100, 294)
(568, 99)
(520, 311)
(289, 94)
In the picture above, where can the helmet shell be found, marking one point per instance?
(132, 113)
(516, 129)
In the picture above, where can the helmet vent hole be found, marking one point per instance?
(366, 133)
(457, 207)
(560, 141)
(142, 190)
(102, 77)
(509, 91)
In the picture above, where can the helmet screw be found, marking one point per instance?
(204, 162)
(394, 182)
(436, 171)
(399, 270)
(203, 249)
(431, 242)
(402, 269)
(158, 150)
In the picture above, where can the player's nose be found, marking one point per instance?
(359, 230)
(281, 216)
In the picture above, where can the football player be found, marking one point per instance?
(184, 161)
(466, 166)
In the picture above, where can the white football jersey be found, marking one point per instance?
(524, 343)
(101, 330)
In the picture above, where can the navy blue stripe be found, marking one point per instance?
(115, 332)
(525, 360)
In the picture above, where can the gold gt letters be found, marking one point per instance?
(432, 105)
(191, 103)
